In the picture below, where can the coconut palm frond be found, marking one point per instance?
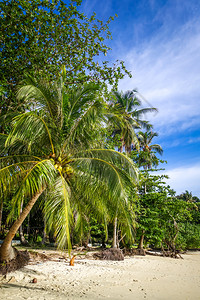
(157, 148)
(10, 174)
(102, 202)
(111, 157)
(83, 127)
(10, 159)
(126, 220)
(79, 98)
(139, 112)
(58, 212)
(29, 184)
(30, 129)
(41, 93)
(100, 175)
(89, 194)
(130, 137)
(94, 201)
(3, 138)
(102, 171)
(144, 124)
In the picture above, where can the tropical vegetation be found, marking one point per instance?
(77, 156)
(51, 149)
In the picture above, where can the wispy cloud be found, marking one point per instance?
(166, 71)
(185, 178)
(88, 7)
(194, 140)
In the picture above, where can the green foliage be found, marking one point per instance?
(44, 35)
(164, 218)
(189, 236)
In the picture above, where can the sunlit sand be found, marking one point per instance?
(137, 277)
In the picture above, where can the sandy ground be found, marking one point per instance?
(138, 277)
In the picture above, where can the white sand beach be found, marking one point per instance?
(149, 277)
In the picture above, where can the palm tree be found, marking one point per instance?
(147, 156)
(186, 196)
(125, 115)
(51, 150)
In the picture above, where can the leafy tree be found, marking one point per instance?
(190, 230)
(152, 192)
(44, 35)
(174, 213)
(162, 217)
(189, 237)
(50, 150)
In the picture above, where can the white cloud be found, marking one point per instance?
(194, 140)
(166, 71)
(185, 178)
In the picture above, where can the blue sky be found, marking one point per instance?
(160, 44)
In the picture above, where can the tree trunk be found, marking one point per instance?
(28, 226)
(23, 241)
(141, 243)
(1, 212)
(145, 189)
(8, 253)
(114, 243)
(21, 233)
(44, 238)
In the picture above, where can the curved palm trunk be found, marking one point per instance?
(8, 253)
(114, 243)
(24, 242)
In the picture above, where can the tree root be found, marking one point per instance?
(110, 254)
(132, 252)
(18, 262)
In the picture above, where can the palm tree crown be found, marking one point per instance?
(147, 156)
(127, 116)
